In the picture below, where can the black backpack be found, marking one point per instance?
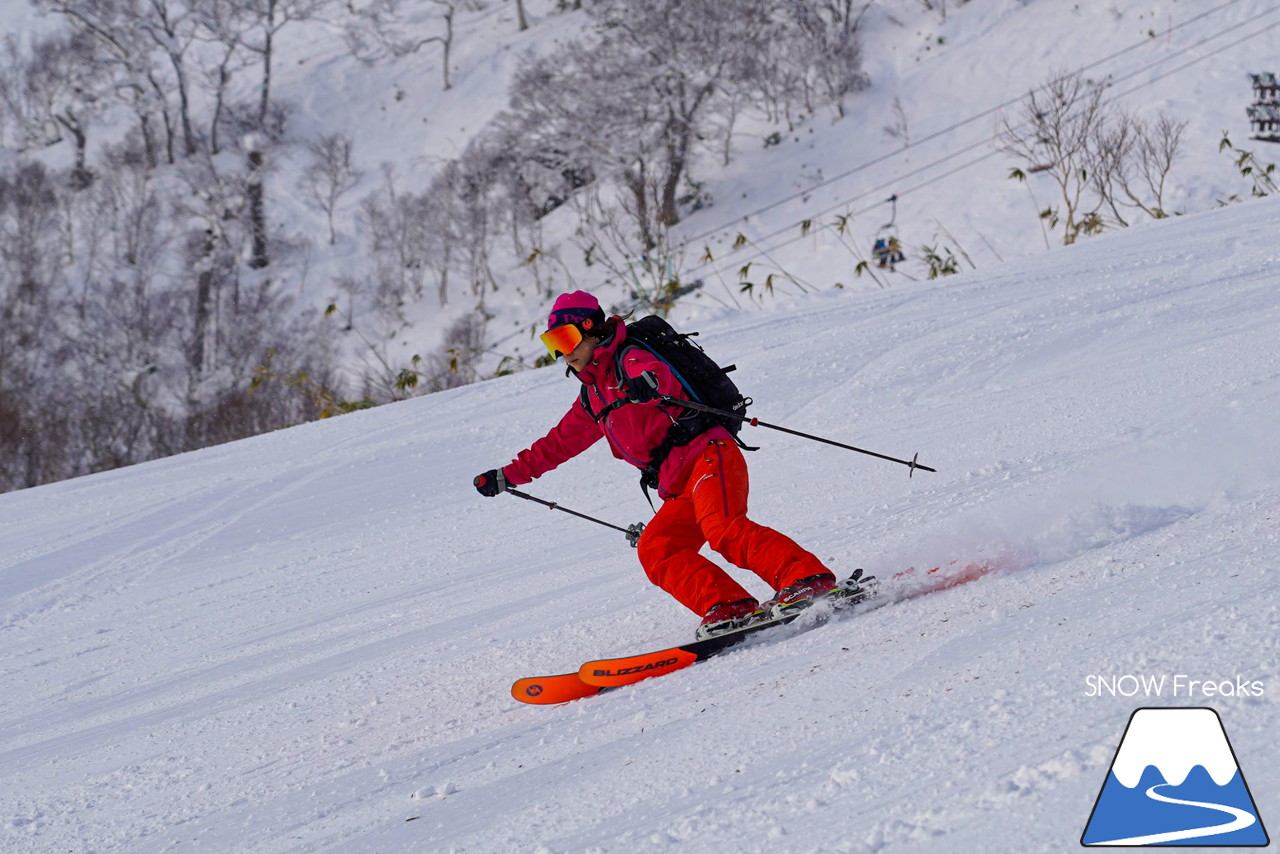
(704, 381)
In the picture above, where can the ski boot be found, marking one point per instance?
(728, 617)
(801, 594)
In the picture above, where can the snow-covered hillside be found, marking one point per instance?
(942, 85)
(304, 641)
(926, 129)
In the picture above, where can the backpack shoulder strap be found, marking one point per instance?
(585, 399)
(620, 355)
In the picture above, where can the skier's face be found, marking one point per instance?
(581, 355)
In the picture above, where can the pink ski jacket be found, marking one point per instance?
(633, 431)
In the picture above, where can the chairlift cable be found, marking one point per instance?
(739, 261)
(984, 142)
(973, 118)
(964, 150)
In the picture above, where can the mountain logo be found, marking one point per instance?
(1175, 781)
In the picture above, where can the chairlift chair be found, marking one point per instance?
(887, 248)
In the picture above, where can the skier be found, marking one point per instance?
(703, 483)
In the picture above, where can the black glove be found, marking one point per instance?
(490, 483)
(643, 388)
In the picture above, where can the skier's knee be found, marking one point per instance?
(723, 534)
(656, 554)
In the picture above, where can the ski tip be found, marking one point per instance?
(552, 690)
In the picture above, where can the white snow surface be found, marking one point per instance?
(305, 641)
(1174, 741)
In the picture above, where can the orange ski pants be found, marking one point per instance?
(712, 509)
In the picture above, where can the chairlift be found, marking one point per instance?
(888, 248)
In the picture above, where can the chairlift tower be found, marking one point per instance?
(1264, 112)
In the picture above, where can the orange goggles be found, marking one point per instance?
(562, 339)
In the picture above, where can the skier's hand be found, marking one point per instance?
(643, 388)
(490, 483)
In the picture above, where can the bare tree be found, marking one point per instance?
(255, 200)
(329, 176)
(1113, 146)
(1159, 144)
(826, 34)
(1100, 157)
(126, 42)
(25, 96)
(685, 54)
(449, 9)
(266, 19)
(1052, 133)
(31, 262)
(399, 243)
(31, 269)
(129, 326)
(50, 93)
(378, 32)
(138, 219)
(632, 102)
(171, 26)
(224, 25)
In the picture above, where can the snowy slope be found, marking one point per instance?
(304, 641)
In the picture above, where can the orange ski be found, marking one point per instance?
(549, 690)
(607, 673)
(612, 672)
(615, 672)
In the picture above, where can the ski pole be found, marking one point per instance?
(633, 533)
(756, 422)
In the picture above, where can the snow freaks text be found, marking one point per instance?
(1177, 685)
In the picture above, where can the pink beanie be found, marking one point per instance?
(577, 307)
